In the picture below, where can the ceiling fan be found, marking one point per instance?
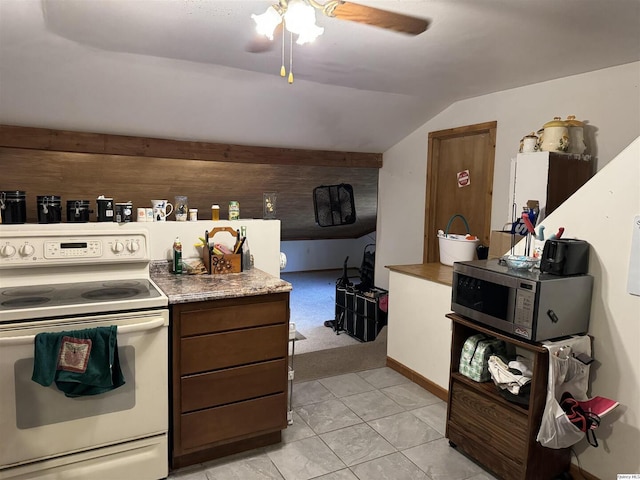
(283, 13)
(376, 17)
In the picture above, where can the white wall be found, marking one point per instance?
(602, 212)
(309, 255)
(608, 99)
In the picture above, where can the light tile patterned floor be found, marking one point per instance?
(371, 425)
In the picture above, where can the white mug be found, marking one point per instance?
(161, 209)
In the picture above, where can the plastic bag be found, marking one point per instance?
(565, 375)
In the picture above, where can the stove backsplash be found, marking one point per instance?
(264, 236)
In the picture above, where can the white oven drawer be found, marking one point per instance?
(40, 423)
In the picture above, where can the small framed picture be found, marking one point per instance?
(269, 204)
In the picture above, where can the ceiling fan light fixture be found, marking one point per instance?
(267, 22)
(300, 17)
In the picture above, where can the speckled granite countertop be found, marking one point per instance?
(197, 288)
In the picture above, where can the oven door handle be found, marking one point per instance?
(126, 329)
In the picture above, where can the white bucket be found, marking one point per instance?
(455, 248)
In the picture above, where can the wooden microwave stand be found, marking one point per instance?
(499, 434)
(229, 376)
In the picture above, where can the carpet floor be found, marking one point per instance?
(323, 353)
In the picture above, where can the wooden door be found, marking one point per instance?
(450, 190)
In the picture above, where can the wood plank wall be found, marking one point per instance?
(82, 166)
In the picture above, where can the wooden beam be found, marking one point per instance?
(99, 143)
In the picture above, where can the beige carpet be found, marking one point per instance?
(345, 359)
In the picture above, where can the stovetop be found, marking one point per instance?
(69, 299)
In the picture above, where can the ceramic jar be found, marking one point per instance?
(529, 143)
(576, 135)
(555, 136)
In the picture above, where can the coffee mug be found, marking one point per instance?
(161, 209)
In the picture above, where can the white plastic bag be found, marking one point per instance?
(565, 375)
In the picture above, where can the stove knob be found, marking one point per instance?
(133, 246)
(7, 250)
(26, 250)
(117, 247)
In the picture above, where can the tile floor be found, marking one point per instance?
(371, 425)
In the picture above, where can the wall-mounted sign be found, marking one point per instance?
(463, 178)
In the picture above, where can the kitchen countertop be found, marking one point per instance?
(435, 272)
(197, 288)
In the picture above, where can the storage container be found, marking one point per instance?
(456, 248)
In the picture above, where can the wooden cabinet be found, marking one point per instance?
(548, 177)
(499, 434)
(229, 374)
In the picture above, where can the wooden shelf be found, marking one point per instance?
(499, 434)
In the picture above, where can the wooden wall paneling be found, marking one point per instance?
(84, 142)
(85, 176)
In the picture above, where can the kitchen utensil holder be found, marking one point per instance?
(220, 264)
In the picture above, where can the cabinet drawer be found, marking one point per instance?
(232, 421)
(220, 316)
(503, 428)
(493, 459)
(206, 390)
(230, 349)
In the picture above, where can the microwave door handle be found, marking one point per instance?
(137, 327)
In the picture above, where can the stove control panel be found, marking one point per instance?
(54, 249)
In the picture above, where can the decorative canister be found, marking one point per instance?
(123, 212)
(529, 143)
(49, 209)
(105, 209)
(13, 207)
(78, 211)
(576, 135)
(234, 210)
(555, 136)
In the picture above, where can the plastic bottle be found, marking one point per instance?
(215, 212)
(177, 256)
(246, 253)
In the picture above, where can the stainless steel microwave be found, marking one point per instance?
(527, 304)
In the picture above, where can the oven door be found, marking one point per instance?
(39, 423)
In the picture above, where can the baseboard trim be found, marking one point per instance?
(578, 474)
(415, 377)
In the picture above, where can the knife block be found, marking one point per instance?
(220, 264)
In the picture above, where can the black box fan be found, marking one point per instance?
(334, 205)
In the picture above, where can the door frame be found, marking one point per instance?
(430, 251)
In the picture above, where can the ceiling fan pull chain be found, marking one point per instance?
(291, 58)
(283, 71)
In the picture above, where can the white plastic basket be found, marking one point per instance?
(456, 248)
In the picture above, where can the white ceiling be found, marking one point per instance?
(180, 68)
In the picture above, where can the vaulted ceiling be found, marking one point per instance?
(182, 69)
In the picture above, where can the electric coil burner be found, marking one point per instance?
(75, 277)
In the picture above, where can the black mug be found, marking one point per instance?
(124, 212)
(482, 251)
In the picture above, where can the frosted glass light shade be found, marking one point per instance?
(267, 22)
(300, 18)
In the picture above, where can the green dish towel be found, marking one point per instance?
(81, 362)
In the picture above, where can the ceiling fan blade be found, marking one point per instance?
(259, 44)
(398, 22)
